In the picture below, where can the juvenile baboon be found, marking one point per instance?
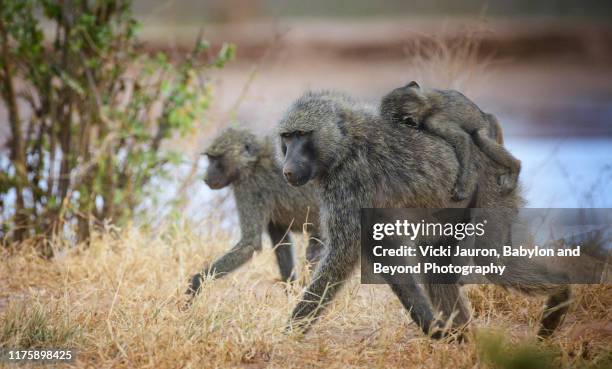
(455, 118)
(357, 162)
(265, 203)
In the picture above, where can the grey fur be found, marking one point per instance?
(359, 162)
(264, 201)
(455, 118)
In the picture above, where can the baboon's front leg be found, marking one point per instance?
(336, 266)
(331, 273)
(234, 258)
(253, 217)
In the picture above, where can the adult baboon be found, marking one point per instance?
(359, 162)
(265, 203)
(455, 118)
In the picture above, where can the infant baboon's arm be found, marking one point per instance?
(451, 132)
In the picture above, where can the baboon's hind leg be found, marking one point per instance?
(283, 248)
(556, 307)
(451, 301)
(446, 295)
(416, 302)
(528, 276)
(413, 297)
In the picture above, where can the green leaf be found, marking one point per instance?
(226, 54)
(72, 83)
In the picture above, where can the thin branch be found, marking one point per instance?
(18, 154)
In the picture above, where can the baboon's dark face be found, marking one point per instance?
(313, 136)
(300, 164)
(230, 157)
(219, 173)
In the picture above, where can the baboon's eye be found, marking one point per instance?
(285, 135)
(411, 121)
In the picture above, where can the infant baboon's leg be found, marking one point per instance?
(283, 248)
(501, 156)
(460, 141)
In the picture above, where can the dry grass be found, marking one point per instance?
(456, 63)
(116, 303)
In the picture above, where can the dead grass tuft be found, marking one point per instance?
(444, 62)
(116, 303)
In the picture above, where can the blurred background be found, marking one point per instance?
(543, 68)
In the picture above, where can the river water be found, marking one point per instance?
(556, 173)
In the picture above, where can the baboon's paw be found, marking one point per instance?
(544, 333)
(458, 194)
(195, 284)
(185, 304)
(457, 335)
(507, 182)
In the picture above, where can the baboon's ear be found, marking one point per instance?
(412, 84)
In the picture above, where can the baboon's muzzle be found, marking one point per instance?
(296, 175)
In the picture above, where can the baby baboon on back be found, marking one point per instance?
(455, 118)
(265, 203)
(357, 162)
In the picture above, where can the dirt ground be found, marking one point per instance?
(117, 304)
